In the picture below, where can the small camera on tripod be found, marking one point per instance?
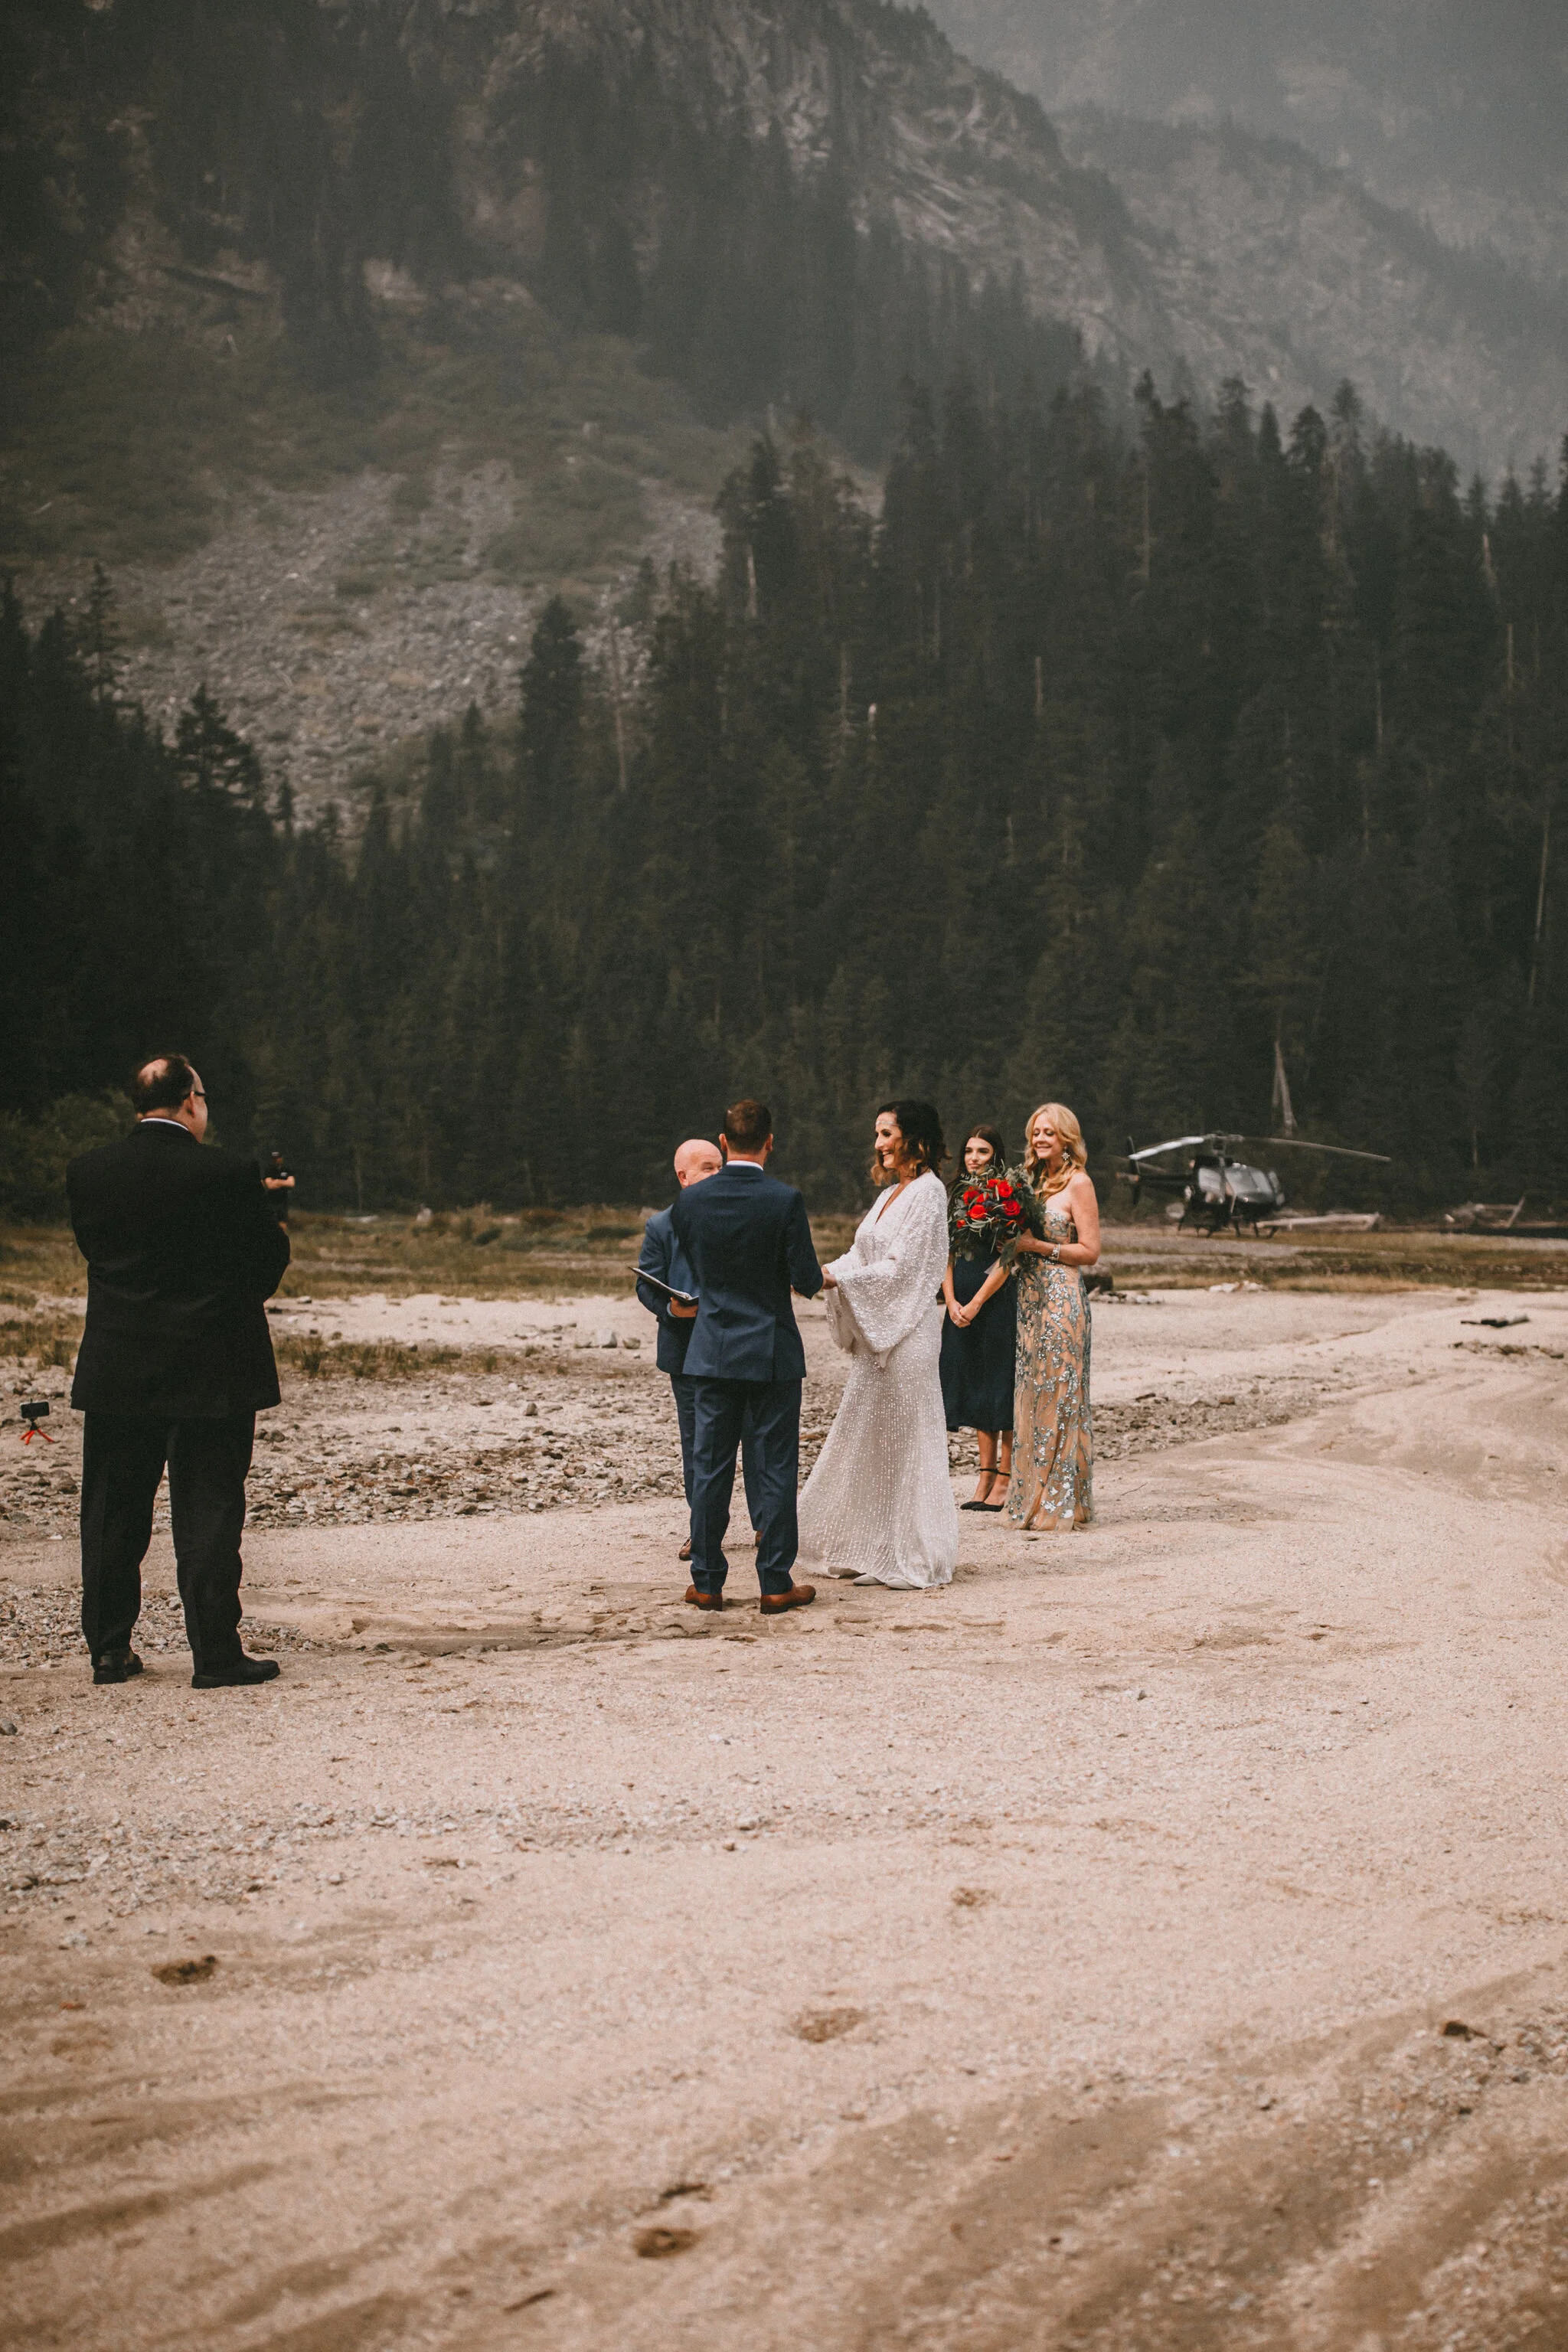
(34, 1410)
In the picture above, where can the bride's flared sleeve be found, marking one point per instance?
(888, 1297)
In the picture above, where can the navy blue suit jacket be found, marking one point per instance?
(662, 1256)
(748, 1243)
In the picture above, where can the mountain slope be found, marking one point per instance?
(1261, 254)
(413, 309)
(1456, 113)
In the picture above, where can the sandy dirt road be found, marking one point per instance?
(1158, 1939)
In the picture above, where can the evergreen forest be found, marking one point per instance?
(1099, 763)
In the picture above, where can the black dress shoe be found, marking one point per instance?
(244, 1670)
(115, 1665)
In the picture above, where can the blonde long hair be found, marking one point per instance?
(1075, 1150)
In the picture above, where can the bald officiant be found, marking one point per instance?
(662, 1257)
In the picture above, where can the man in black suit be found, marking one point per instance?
(748, 1243)
(183, 1250)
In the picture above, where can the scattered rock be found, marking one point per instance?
(969, 1898)
(9, 1726)
(659, 2240)
(827, 2024)
(184, 1972)
(1455, 2030)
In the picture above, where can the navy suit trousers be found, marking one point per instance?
(685, 1392)
(765, 1417)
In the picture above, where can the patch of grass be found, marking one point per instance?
(143, 625)
(1399, 1258)
(474, 1254)
(592, 1251)
(130, 448)
(43, 1340)
(362, 580)
(534, 1253)
(574, 517)
(377, 1359)
(39, 1262)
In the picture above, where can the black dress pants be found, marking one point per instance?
(124, 1457)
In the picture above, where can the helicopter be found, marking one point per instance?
(1218, 1188)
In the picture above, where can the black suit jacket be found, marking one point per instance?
(748, 1243)
(183, 1250)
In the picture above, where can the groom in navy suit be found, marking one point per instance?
(748, 1243)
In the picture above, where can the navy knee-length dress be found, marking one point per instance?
(977, 1363)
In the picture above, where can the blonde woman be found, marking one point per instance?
(1053, 1431)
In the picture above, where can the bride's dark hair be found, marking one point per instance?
(920, 1124)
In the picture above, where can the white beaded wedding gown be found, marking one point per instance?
(879, 1502)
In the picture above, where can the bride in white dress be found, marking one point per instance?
(878, 1505)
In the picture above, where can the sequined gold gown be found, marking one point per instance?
(1053, 1428)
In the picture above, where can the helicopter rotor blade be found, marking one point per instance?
(1176, 1143)
(1304, 1143)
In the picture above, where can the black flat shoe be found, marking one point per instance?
(234, 1678)
(115, 1665)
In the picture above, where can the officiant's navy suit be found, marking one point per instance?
(748, 1243)
(662, 1257)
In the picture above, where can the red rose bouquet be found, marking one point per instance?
(990, 1213)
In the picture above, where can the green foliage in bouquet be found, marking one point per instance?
(990, 1213)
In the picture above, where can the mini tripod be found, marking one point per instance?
(33, 1412)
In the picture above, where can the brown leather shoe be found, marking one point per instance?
(685, 1552)
(704, 1600)
(799, 1596)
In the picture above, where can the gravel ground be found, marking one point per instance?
(1154, 1941)
(559, 1423)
